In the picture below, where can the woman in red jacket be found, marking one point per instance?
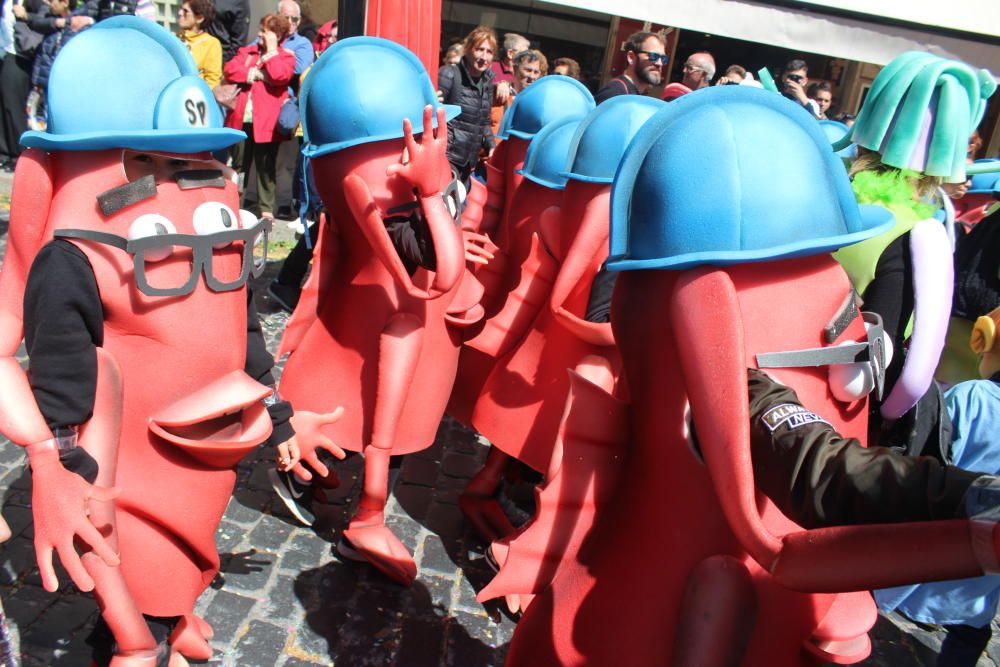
(267, 69)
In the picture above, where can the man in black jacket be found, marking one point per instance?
(231, 25)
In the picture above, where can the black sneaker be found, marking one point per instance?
(296, 495)
(285, 295)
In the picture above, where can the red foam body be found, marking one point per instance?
(686, 339)
(522, 400)
(351, 297)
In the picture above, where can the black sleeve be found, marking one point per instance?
(818, 478)
(413, 243)
(612, 88)
(601, 291)
(43, 23)
(63, 327)
(258, 366)
(231, 26)
(890, 295)
(446, 83)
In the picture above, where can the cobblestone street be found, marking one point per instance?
(283, 598)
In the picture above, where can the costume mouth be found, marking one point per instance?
(218, 424)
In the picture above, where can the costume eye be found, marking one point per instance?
(213, 217)
(247, 219)
(152, 224)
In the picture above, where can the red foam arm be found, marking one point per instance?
(507, 328)
(588, 250)
(706, 317)
(709, 326)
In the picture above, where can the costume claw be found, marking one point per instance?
(380, 547)
(486, 516)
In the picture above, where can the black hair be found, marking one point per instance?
(794, 65)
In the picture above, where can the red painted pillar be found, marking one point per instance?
(416, 24)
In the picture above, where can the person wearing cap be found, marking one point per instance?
(645, 58)
(267, 70)
(754, 429)
(900, 166)
(383, 347)
(130, 251)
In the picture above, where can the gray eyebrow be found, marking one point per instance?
(121, 197)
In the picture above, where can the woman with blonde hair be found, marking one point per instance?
(469, 84)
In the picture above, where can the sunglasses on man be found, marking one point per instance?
(655, 57)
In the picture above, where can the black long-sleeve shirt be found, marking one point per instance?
(64, 324)
(818, 478)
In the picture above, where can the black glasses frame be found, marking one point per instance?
(201, 255)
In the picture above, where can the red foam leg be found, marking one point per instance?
(477, 501)
(367, 531)
(581, 482)
(717, 614)
(399, 350)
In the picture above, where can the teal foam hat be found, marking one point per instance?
(835, 131)
(602, 137)
(547, 153)
(128, 83)
(548, 99)
(920, 112)
(360, 90)
(729, 175)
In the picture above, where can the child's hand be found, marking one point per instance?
(288, 454)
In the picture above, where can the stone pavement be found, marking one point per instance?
(283, 599)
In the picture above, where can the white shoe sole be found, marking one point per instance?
(279, 487)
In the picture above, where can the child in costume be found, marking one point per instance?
(126, 275)
(912, 134)
(732, 538)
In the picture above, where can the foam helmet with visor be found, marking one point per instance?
(344, 105)
(96, 100)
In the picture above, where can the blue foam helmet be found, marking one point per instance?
(732, 174)
(547, 153)
(128, 83)
(546, 100)
(360, 90)
(987, 182)
(602, 137)
(835, 131)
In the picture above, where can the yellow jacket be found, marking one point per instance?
(207, 52)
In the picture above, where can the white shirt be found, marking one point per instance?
(7, 27)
